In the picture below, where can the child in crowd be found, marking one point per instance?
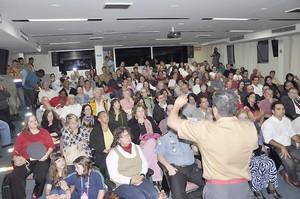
(57, 171)
(87, 181)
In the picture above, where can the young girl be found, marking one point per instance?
(88, 182)
(57, 171)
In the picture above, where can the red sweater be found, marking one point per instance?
(24, 139)
(56, 101)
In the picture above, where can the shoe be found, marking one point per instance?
(19, 117)
(275, 194)
(286, 177)
(7, 145)
(14, 117)
(259, 195)
(296, 184)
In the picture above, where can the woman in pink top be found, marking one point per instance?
(127, 103)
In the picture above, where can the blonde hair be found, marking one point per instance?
(241, 111)
(69, 117)
(71, 96)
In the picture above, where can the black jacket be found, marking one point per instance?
(136, 131)
(97, 142)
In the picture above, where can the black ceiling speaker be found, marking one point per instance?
(173, 34)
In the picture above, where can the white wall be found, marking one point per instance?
(288, 60)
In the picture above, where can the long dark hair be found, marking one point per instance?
(53, 172)
(255, 105)
(86, 163)
(45, 121)
(112, 110)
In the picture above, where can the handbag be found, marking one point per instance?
(72, 152)
(148, 136)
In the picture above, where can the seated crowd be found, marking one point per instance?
(114, 126)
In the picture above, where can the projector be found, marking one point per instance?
(173, 35)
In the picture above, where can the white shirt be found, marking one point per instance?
(48, 93)
(212, 75)
(258, 89)
(56, 85)
(112, 163)
(237, 77)
(279, 130)
(196, 89)
(75, 109)
(172, 83)
(90, 93)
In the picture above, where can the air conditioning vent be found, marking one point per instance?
(117, 5)
(24, 36)
(236, 38)
(284, 29)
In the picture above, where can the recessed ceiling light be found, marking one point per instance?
(55, 5)
(166, 39)
(57, 20)
(230, 19)
(64, 39)
(142, 26)
(62, 43)
(263, 8)
(95, 38)
(174, 6)
(294, 10)
(203, 36)
(180, 24)
(60, 29)
(240, 30)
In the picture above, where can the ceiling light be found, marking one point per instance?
(95, 38)
(55, 5)
(117, 5)
(57, 20)
(167, 39)
(241, 31)
(294, 10)
(229, 19)
(174, 6)
(203, 36)
(62, 43)
(180, 24)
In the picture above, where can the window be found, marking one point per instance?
(230, 54)
(263, 51)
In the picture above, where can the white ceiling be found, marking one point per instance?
(193, 10)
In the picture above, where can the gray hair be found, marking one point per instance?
(226, 103)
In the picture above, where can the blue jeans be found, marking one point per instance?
(143, 191)
(5, 133)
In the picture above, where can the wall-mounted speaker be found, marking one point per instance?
(3, 61)
(55, 58)
(275, 47)
(190, 51)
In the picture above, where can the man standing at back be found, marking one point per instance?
(226, 146)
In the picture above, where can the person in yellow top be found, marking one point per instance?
(99, 103)
(226, 146)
